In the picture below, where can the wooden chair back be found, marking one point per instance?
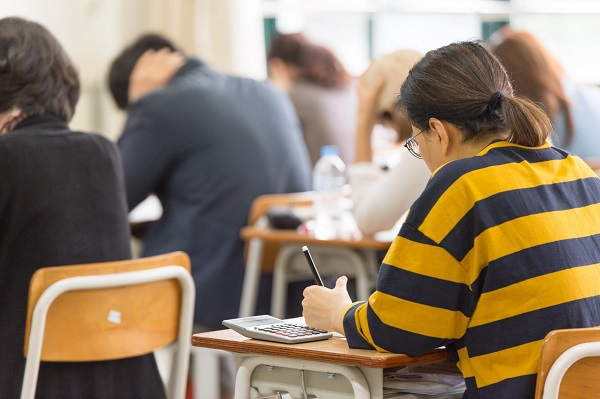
(108, 323)
(267, 201)
(581, 379)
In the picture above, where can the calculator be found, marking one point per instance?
(269, 328)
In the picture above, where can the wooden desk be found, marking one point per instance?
(271, 367)
(291, 236)
(259, 234)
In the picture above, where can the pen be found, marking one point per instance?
(312, 265)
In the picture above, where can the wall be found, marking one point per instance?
(227, 33)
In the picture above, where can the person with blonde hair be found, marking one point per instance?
(381, 196)
(502, 246)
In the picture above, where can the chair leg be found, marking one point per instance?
(205, 373)
(164, 361)
(363, 284)
(280, 280)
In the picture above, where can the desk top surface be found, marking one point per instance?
(333, 350)
(291, 236)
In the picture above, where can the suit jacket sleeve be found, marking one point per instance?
(146, 147)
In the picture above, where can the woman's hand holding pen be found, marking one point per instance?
(324, 307)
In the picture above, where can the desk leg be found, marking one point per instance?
(370, 257)
(251, 278)
(243, 380)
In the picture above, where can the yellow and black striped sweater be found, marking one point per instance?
(500, 249)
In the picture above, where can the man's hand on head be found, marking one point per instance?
(153, 70)
(369, 94)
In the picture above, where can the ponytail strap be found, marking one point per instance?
(495, 100)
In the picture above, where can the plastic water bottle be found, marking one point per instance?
(329, 178)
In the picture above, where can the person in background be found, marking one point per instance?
(574, 109)
(501, 247)
(206, 144)
(381, 196)
(323, 93)
(62, 202)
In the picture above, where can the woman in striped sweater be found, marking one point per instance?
(503, 245)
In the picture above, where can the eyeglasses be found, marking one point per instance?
(412, 145)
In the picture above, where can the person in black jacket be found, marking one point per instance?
(62, 201)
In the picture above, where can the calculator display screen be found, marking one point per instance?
(256, 321)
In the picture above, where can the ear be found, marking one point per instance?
(276, 67)
(440, 133)
(280, 73)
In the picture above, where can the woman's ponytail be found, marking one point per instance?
(529, 125)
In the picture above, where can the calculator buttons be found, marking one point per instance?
(291, 330)
(269, 328)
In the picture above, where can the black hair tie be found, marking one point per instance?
(494, 101)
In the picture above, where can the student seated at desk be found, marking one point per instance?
(379, 197)
(502, 246)
(206, 144)
(62, 202)
(322, 91)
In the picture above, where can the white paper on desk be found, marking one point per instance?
(453, 394)
(424, 380)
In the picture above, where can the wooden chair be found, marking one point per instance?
(287, 261)
(570, 365)
(267, 201)
(110, 310)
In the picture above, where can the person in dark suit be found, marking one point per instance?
(62, 201)
(207, 144)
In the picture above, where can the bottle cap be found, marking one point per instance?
(329, 150)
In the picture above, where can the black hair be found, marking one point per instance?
(464, 84)
(36, 75)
